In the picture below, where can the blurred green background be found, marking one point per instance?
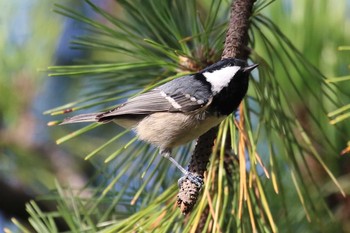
(33, 37)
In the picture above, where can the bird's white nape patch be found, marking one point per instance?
(221, 78)
(171, 100)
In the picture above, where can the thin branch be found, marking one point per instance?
(235, 46)
(237, 34)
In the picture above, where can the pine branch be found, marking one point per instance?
(237, 34)
(235, 46)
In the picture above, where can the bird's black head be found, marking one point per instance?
(225, 73)
(224, 63)
(229, 80)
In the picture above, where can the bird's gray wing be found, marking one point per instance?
(146, 103)
(170, 97)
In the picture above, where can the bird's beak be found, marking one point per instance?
(250, 68)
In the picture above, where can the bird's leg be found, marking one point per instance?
(166, 153)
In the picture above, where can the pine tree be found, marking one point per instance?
(259, 177)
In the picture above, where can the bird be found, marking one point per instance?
(182, 109)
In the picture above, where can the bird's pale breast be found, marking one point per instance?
(174, 129)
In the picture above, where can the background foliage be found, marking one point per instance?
(139, 45)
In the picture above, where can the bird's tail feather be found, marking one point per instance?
(89, 117)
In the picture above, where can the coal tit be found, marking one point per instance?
(183, 109)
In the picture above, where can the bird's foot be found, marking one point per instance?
(197, 180)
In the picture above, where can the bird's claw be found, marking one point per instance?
(197, 180)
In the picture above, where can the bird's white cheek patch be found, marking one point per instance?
(220, 78)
